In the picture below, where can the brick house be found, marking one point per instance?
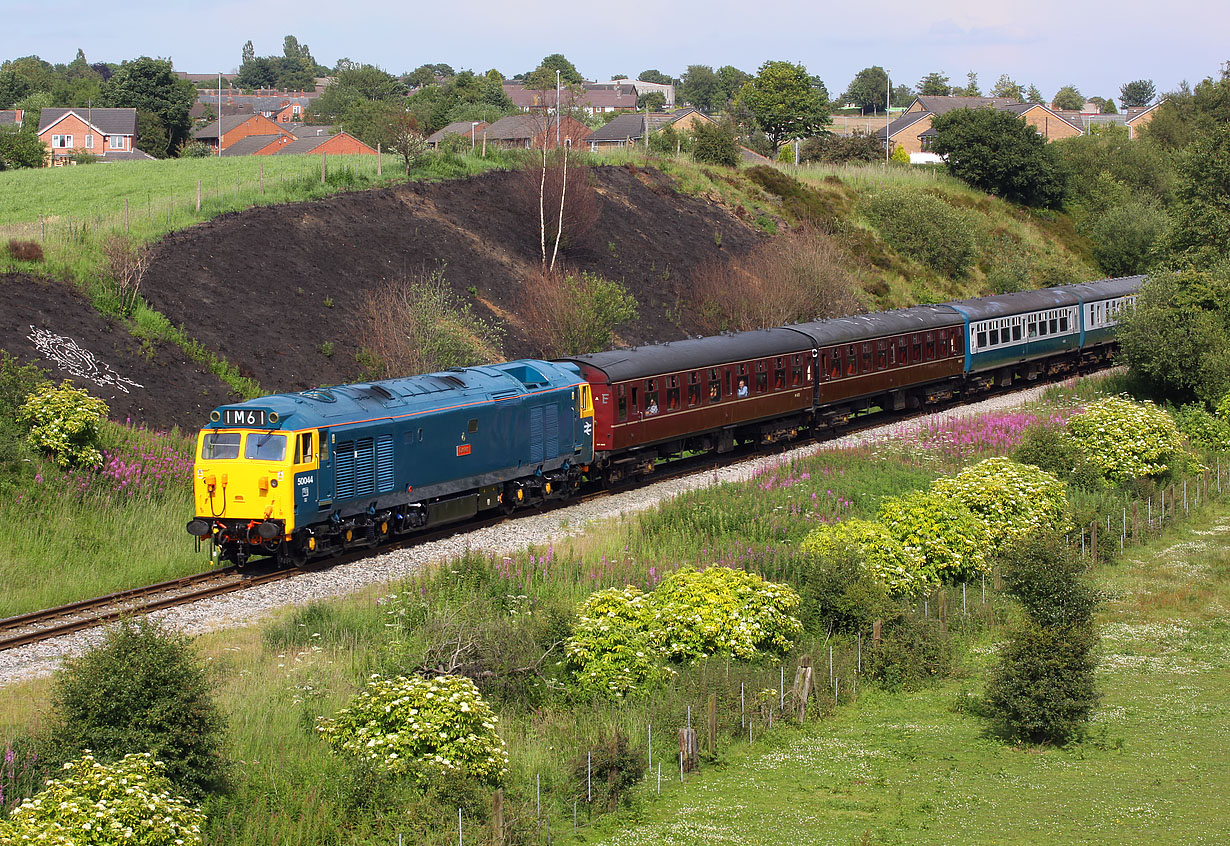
(536, 131)
(468, 129)
(235, 127)
(11, 118)
(912, 130)
(108, 133)
(341, 144)
(629, 129)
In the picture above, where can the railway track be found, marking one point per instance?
(26, 629)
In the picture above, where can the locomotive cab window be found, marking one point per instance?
(265, 447)
(220, 445)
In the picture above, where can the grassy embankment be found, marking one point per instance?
(901, 767)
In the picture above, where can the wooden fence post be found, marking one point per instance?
(1135, 522)
(323, 157)
(497, 818)
(802, 687)
(688, 749)
(711, 713)
(943, 603)
(261, 171)
(378, 170)
(198, 198)
(1093, 540)
(875, 632)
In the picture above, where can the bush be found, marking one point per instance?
(1013, 499)
(1204, 432)
(421, 326)
(612, 650)
(65, 422)
(106, 805)
(924, 228)
(17, 383)
(612, 769)
(573, 314)
(1126, 439)
(913, 651)
(142, 688)
(837, 591)
(1043, 689)
(952, 540)
(195, 150)
(997, 152)
(25, 250)
(420, 727)
(841, 149)
(898, 569)
(1054, 451)
(715, 144)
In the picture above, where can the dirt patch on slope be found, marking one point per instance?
(275, 289)
(51, 324)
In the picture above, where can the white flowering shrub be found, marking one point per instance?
(410, 724)
(1126, 439)
(611, 651)
(952, 540)
(95, 804)
(1014, 500)
(698, 613)
(901, 570)
(65, 422)
(622, 639)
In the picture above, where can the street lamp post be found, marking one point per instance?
(888, 98)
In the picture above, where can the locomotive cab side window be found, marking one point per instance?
(303, 448)
(220, 445)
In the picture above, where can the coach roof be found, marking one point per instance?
(848, 330)
(693, 354)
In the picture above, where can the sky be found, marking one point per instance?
(1095, 44)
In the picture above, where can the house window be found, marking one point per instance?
(926, 141)
(89, 141)
(62, 141)
(117, 142)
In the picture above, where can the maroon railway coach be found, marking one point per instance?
(701, 394)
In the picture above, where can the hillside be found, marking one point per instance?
(274, 293)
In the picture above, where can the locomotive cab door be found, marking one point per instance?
(324, 478)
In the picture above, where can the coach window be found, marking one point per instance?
(993, 337)
(1063, 323)
(623, 404)
(730, 379)
(881, 355)
(981, 340)
(779, 373)
(930, 346)
(1054, 326)
(851, 361)
(796, 372)
(715, 386)
(672, 393)
(762, 378)
(693, 389)
(833, 358)
(866, 358)
(1016, 331)
(1032, 327)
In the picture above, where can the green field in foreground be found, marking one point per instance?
(918, 768)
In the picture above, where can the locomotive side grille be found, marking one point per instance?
(552, 430)
(384, 463)
(536, 435)
(364, 468)
(344, 470)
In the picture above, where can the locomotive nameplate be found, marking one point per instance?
(243, 417)
(464, 449)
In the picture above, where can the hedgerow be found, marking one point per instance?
(128, 802)
(1127, 440)
(1012, 499)
(421, 727)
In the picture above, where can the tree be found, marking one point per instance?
(971, 88)
(1008, 87)
(1069, 98)
(1034, 95)
(20, 149)
(869, 89)
(934, 84)
(702, 87)
(420, 76)
(655, 76)
(13, 88)
(1177, 338)
(903, 95)
(654, 101)
(259, 72)
(1139, 92)
(568, 73)
(151, 85)
(405, 139)
(248, 53)
(997, 152)
(153, 134)
(732, 80)
(1200, 213)
(143, 688)
(785, 102)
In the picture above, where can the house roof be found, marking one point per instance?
(518, 127)
(230, 122)
(631, 126)
(306, 130)
(460, 127)
(10, 117)
(1139, 111)
(940, 105)
(310, 144)
(133, 155)
(106, 121)
(251, 145)
(906, 120)
(750, 156)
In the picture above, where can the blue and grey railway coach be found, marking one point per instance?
(1102, 305)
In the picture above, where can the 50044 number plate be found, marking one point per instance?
(243, 417)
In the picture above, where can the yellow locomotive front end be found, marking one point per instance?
(243, 486)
